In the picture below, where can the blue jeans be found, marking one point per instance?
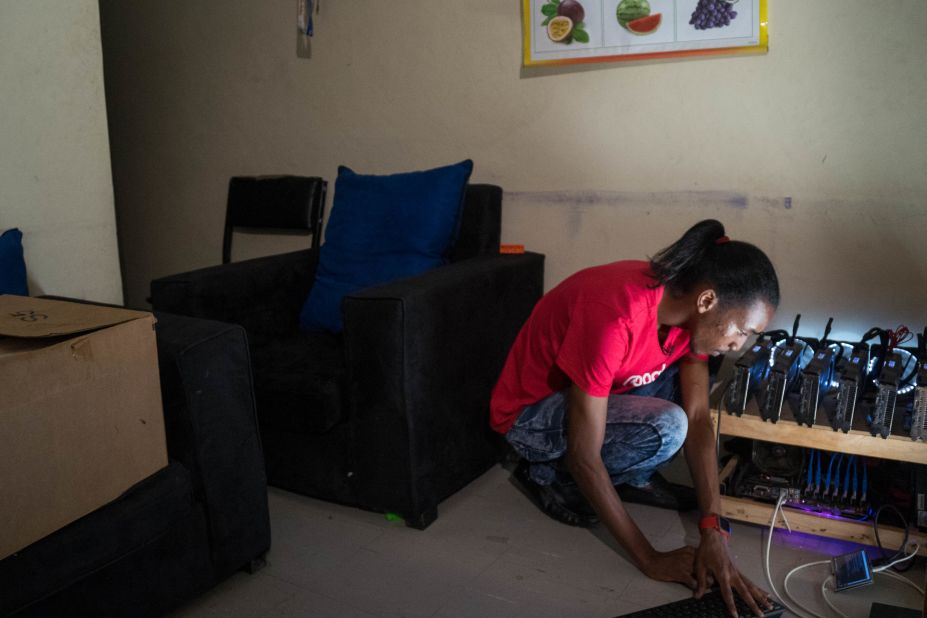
(644, 429)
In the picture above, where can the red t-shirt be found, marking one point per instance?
(598, 330)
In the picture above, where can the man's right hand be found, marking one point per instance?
(672, 566)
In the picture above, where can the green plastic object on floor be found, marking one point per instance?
(392, 517)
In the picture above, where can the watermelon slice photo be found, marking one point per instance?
(645, 25)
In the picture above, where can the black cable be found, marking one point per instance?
(827, 331)
(873, 332)
(904, 542)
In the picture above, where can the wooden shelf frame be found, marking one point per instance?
(759, 513)
(787, 431)
(823, 437)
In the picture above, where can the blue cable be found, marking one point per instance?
(837, 474)
(865, 480)
(810, 469)
(846, 480)
(830, 469)
(855, 479)
(817, 478)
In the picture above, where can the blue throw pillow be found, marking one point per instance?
(12, 264)
(383, 228)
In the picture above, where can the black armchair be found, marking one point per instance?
(391, 415)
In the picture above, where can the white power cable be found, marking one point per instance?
(904, 558)
(904, 579)
(772, 526)
(827, 600)
(785, 586)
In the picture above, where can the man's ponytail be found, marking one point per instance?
(738, 271)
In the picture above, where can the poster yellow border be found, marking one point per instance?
(761, 48)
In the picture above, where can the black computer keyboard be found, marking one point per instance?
(711, 605)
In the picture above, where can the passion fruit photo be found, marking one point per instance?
(556, 29)
(638, 22)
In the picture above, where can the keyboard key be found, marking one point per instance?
(711, 605)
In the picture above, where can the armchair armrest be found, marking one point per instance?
(423, 355)
(212, 429)
(264, 295)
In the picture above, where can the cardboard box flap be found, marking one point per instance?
(24, 316)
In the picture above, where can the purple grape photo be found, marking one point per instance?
(712, 14)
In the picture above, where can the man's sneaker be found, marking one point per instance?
(660, 493)
(566, 505)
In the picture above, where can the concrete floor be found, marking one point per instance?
(492, 553)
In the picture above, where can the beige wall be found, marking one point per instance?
(55, 178)
(599, 163)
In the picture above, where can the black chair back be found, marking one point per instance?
(480, 223)
(291, 203)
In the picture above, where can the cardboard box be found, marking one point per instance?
(80, 412)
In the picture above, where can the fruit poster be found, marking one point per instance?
(576, 31)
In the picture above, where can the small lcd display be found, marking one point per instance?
(851, 570)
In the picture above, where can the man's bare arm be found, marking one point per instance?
(712, 559)
(585, 434)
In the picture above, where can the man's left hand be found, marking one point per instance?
(713, 563)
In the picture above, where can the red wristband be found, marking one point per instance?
(715, 522)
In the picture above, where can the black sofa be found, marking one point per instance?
(391, 415)
(181, 530)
